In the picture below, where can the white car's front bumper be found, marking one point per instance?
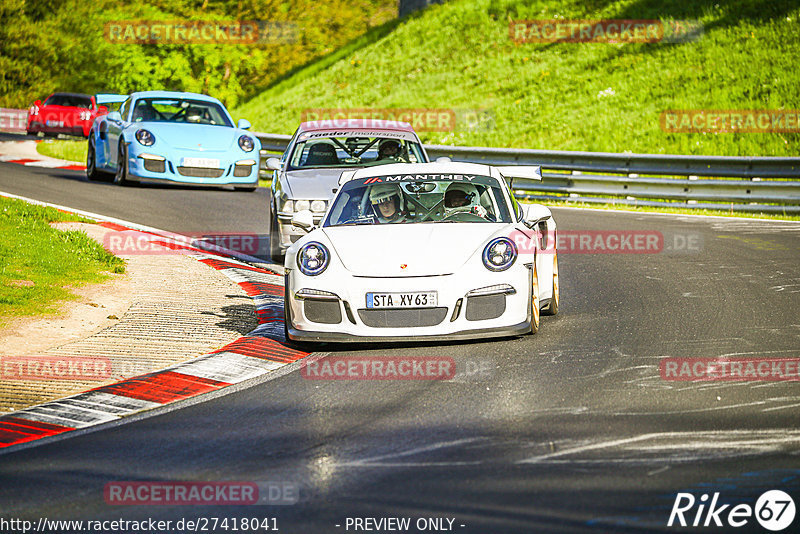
(343, 316)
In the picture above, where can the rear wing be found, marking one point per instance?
(346, 177)
(531, 172)
(109, 98)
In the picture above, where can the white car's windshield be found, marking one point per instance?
(353, 151)
(419, 198)
(179, 110)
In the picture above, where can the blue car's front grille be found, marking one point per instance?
(200, 172)
(153, 165)
(242, 170)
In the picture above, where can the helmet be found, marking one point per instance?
(386, 144)
(381, 193)
(461, 195)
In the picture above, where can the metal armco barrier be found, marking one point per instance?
(747, 184)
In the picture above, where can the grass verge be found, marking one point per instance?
(39, 265)
(62, 149)
(597, 97)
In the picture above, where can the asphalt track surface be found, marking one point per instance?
(570, 430)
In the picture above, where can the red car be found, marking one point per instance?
(67, 113)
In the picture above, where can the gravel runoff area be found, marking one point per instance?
(168, 308)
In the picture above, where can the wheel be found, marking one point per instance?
(535, 301)
(287, 317)
(92, 172)
(552, 308)
(121, 177)
(275, 239)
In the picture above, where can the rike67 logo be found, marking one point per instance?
(774, 511)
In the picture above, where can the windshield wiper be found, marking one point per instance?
(357, 222)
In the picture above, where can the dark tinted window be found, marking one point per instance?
(76, 101)
(179, 110)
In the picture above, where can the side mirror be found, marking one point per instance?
(38, 103)
(274, 164)
(535, 213)
(536, 217)
(114, 116)
(303, 219)
(443, 159)
(243, 124)
(101, 110)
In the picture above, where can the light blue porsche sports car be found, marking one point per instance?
(170, 137)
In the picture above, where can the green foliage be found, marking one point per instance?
(564, 96)
(61, 45)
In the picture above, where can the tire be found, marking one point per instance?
(287, 318)
(552, 308)
(535, 314)
(121, 177)
(92, 173)
(304, 346)
(274, 239)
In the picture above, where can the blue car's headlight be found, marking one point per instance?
(145, 137)
(500, 254)
(246, 143)
(313, 258)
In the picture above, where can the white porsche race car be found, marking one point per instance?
(423, 251)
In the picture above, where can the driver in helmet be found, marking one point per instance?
(463, 198)
(389, 149)
(387, 203)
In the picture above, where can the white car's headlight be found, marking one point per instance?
(313, 258)
(145, 137)
(288, 206)
(318, 206)
(301, 205)
(500, 254)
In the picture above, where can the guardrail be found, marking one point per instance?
(746, 184)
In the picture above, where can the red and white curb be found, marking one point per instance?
(44, 162)
(260, 352)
